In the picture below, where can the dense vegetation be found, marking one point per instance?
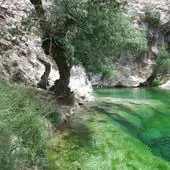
(95, 31)
(162, 68)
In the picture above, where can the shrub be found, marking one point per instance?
(163, 62)
(107, 72)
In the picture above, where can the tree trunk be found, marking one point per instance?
(61, 89)
(44, 78)
(50, 47)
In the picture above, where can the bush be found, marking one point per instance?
(107, 72)
(161, 69)
(163, 53)
(155, 83)
(163, 62)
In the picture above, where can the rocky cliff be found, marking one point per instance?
(20, 50)
(127, 70)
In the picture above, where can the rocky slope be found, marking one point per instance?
(20, 49)
(139, 6)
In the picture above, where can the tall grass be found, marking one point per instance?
(23, 128)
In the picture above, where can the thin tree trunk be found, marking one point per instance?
(44, 78)
(50, 47)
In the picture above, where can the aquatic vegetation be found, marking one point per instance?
(128, 131)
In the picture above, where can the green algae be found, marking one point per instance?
(125, 129)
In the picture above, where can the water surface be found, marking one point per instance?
(149, 118)
(125, 129)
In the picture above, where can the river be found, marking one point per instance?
(125, 129)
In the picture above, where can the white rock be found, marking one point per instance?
(166, 85)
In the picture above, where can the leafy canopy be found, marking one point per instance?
(90, 31)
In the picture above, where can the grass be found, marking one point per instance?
(24, 129)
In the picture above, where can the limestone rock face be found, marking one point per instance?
(126, 73)
(20, 49)
(80, 84)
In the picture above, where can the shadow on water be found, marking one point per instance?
(82, 134)
(159, 146)
(121, 107)
(117, 117)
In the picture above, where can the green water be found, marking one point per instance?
(148, 119)
(125, 129)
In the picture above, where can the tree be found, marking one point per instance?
(82, 31)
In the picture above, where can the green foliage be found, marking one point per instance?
(163, 62)
(23, 130)
(6, 159)
(107, 72)
(89, 32)
(163, 53)
(155, 83)
(135, 40)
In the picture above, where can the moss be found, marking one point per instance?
(152, 17)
